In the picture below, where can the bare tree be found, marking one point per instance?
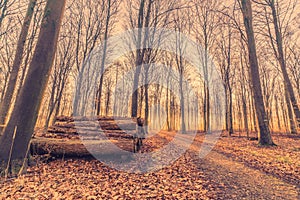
(143, 22)
(112, 9)
(224, 57)
(205, 27)
(264, 131)
(62, 67)
(89, 22)
(181, 23)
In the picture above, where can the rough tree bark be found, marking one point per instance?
(25, 112)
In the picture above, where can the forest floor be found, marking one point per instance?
(236, 169)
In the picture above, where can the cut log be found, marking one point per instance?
(65, 137)
(75, 148)
(80, 118)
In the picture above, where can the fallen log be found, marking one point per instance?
(62, 130)
(76, 148)
(80, 118)
(67, 135)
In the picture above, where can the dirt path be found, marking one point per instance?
(190, 177)
(242, 182)
(237, 180)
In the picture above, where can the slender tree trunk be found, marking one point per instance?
(264, 132)
(76, 104)
(25, 112)
(59, 98)
(6, 104)
(230, 112)
(254, 116)
(182, 108)
(146, 106)
(228, 105)
(139, 61)
(141, 99)
(240, 121)
(115, 111)
(51, 108)
(227, 110)
(188, 112)
(277, 113)
(146, 97)
(167, 111)
(107, 102)
(246, 126)
(285, 117)
(206, 89)
(173, 112)
(206, 110)
(290, 113)
(168, 101)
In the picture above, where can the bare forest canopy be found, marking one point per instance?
(220, 27)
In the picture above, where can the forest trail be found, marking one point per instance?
(238, 180)
(190, 177)
(242, 182)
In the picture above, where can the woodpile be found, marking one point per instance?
(67, 135)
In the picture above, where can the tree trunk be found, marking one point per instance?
(116, 112)
(25, 112)
(107, 102)
(226, 107)
(141, 99)
(146, 98)
(254, 117)
(245, 112)
(239, 114)
(6, 104)
(230, 112)
(104, 57)
(168, 107)
(51, 106)
(182, 108)
(264, 132)
(206, 109)
(292, 124)
(206, 89)
(140, 53)
(139, 61)
(277, 113)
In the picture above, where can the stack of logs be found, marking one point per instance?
(70, 135)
